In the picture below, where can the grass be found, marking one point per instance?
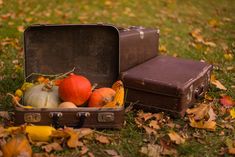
(175, 19)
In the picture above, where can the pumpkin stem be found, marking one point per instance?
(94, 86)
(48, 86)
(15, 102)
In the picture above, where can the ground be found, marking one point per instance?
(199, 30)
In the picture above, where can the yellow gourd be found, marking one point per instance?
(36, 133)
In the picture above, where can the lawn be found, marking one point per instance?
(182, 24)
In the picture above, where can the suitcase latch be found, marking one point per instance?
(106, 117)
(55, 116)
(32, 117)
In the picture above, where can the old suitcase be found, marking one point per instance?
(137, 45)
(166, 84)
(93, 50)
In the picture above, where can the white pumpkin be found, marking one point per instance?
(39, 96)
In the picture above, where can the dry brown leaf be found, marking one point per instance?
(102, 139)
(158, 116)
(84, 150)
(199, 112)
(209, 43)
(209, 125)
(175, 137)
(196, 34)
(149, 130)
(41, 155)
(145, 116)
(90, 154)
(111, 152)
(1, 2)
(217, 83)
(213, 23)
(139, 122)
(84, 132)
(20, 28)
(212, 115)
(169, 152)
(5, 115)
(231, 151)
(154, 124)
(73, 138)
(52, 146)
(151, 150)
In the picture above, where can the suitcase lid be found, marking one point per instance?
(166, 75)
(92, 49)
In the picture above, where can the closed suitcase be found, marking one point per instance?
(166, 84)
(137, 45)
(94, 52)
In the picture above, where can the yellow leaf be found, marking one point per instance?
(228, 56)
(73, 138)
(19, 93)
(162, 49)
(26, 86)
(213, 23)
(232, 113)
(217, 83)
(209, 125)
(176, 137)
(199, 112)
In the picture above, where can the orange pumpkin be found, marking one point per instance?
(101, 96)
(17, 146)
(75, 89)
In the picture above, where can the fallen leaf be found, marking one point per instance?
(111, 152)
(84, 150)
(227, 101)
(231, 146)
(52, 146)
(175, 137)
(162, 49)
(4, 115)
(154, 124)
(217, 83)
(84, 132)
(149, 130)
(196, 34)
(1, 2)
(169, 152)
(41, 155)
(151, 150)
(73, 138)
(209, 125)
(232, 113)
(209, 43)
(199, 112)
(212, 115)
(213, 23)
(231, 151)
(228, 56)
(145, 116)
(208, 97)
(20, 28)
(90, 154)
(102, 139)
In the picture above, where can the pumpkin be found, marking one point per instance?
(42, 96)
(75, 89)
(67, 105)
(101, 96)
(17, 146)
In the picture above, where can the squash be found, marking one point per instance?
(42, 96)
(101, 96)
(75, 89)
(18, 145)
(67, 105)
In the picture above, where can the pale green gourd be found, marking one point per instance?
(42, 96)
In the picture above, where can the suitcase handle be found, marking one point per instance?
(55, 116)
(81, 118)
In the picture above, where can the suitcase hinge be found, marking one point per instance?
(106, 117)
(82, 116)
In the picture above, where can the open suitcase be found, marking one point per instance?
(94, 52)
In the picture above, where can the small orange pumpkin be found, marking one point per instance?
(75, 89)
(101, 96)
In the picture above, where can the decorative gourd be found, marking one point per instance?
(42, 96)
(17, 146)
(75, 89)
(67, 105)
(101, 96)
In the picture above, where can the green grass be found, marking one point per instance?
(175, 19)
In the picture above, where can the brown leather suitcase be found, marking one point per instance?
(94, 52)
(166, 84)
(137, 45)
